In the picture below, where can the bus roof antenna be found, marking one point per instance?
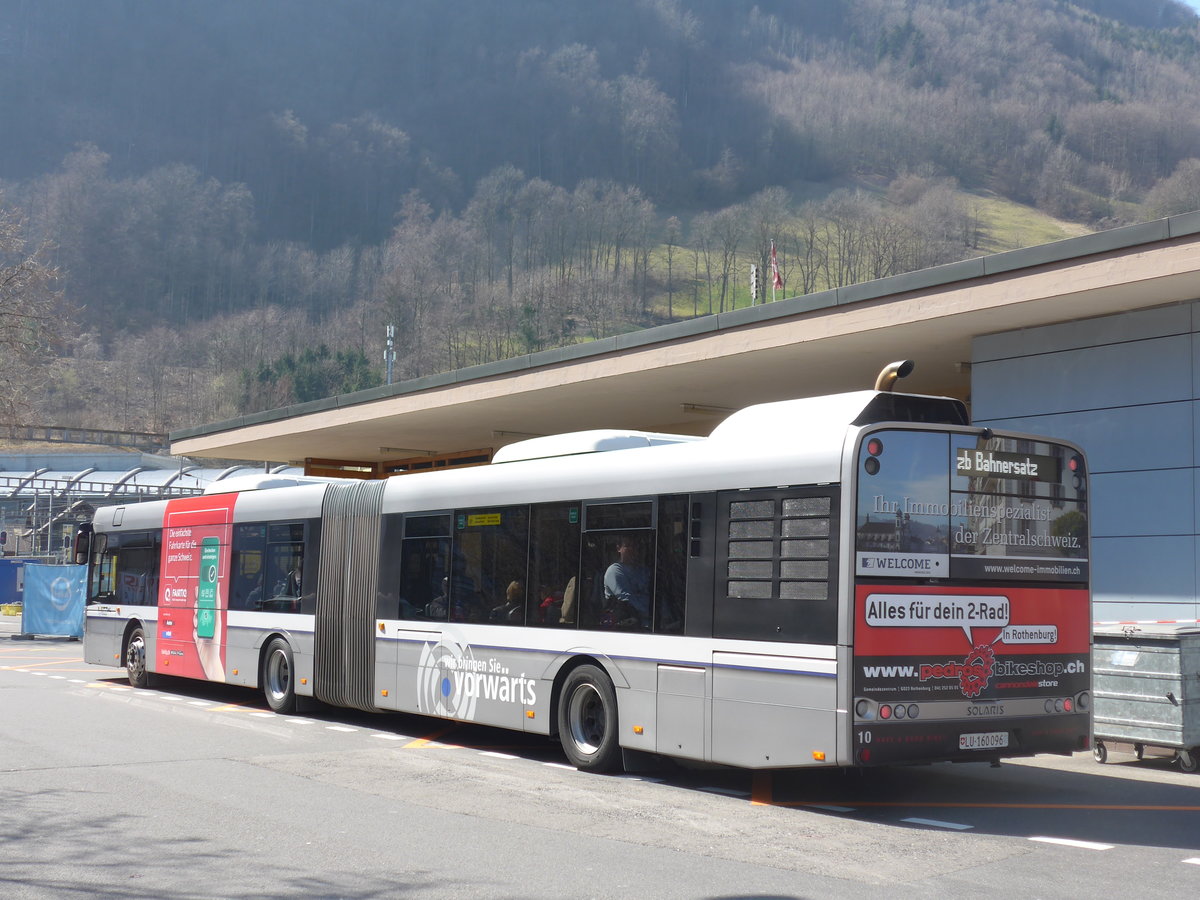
(892, 373)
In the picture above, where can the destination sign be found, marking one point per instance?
(973, 462)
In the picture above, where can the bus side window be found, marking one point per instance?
(103, 567)
(488, 573)
(553, 564)
(135, 563)
(284, 575)
(246, 567)
(670, 579)
(424, 580)
(617, 580)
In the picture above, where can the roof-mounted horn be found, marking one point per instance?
(892, 373)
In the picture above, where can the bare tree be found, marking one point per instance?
(32, 316)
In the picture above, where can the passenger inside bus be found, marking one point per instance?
(567, 612)
(512, 610)
(436, 608)
(627, 585)
(549, 606)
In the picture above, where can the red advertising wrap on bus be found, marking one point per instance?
(938, 643)
(193, 585)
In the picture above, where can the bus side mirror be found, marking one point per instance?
(83, 544)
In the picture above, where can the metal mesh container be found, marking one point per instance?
(1146, 687)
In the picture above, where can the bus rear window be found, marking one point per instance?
(934, 505)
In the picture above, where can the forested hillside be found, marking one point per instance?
(239, 197)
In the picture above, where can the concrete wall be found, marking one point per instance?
(1125, 388)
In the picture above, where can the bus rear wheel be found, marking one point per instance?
(135, 659)
(278, 682)
(587, 720)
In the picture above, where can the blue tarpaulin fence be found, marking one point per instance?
(54, 600)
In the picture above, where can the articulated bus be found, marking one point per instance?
(859, 579)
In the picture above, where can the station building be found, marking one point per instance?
(1095, 339)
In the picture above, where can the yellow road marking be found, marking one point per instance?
(46, 662)
(431, 739)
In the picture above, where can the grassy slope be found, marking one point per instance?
(1009, 226)
(1004, 225)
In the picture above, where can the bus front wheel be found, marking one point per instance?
(587, 720)
(135, 659)
(278, 680)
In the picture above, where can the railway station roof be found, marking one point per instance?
(686, 376)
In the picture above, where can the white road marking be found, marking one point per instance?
(936, 823)
(496, 755)
(1068, 842)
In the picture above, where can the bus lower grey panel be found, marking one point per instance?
(345, 623)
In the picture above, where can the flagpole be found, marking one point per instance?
(776, 281)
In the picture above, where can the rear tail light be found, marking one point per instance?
(874, 450)
(870, 711)
(1079, 703)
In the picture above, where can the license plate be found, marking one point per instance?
(983, 740)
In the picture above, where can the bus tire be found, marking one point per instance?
(278, 677)
(587, 720)
(1100, 752)
(135, 659)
